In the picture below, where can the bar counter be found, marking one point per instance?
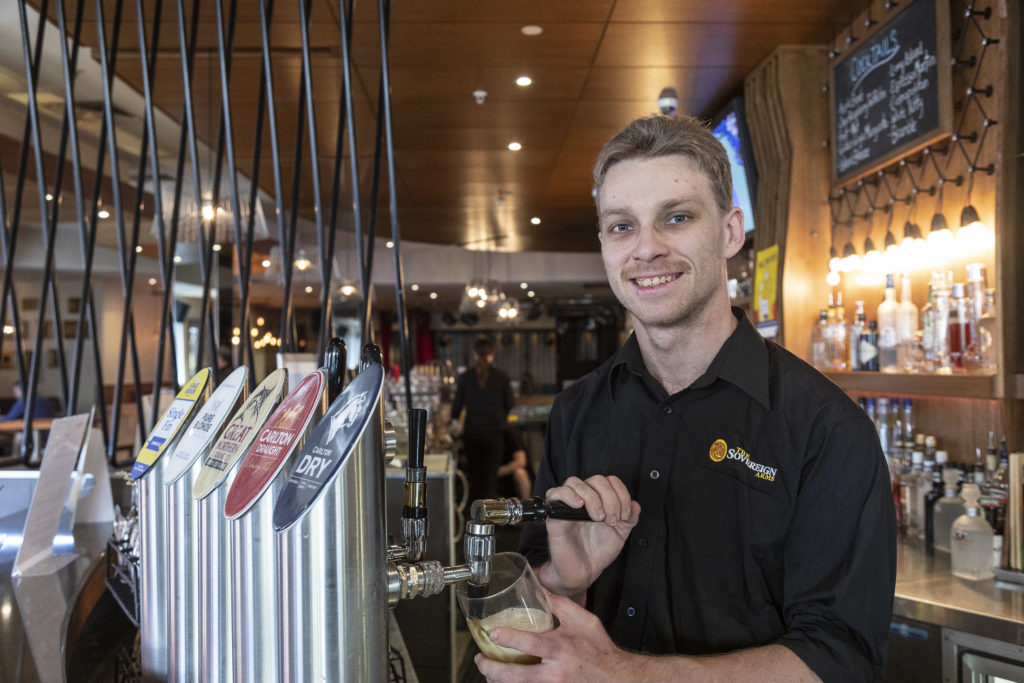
(927, 591)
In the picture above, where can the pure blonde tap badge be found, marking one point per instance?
(720, 450)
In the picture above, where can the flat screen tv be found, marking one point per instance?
(730, 128)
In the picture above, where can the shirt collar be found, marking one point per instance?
(742, 361)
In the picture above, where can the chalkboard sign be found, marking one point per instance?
(891, 92)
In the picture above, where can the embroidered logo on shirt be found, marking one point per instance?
(720, 451)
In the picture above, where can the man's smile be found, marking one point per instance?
(652, 281)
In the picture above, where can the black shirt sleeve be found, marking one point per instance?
(840, 557)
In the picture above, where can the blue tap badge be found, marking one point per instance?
(328, 445)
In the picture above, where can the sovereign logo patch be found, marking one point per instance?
(718, 451)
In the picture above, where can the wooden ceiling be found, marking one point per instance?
(597, 65)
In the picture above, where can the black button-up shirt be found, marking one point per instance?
(766, 509)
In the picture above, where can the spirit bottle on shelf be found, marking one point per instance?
(867, 352)
(959, 326)
(906, 328)
(887, 337)
(947, 509)
(940, 337)
(971, 543)
(819, 342)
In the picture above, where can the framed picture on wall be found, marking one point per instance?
(7, 360)
(29, 303)
(70, 329)
(51, 358)
(73, 304)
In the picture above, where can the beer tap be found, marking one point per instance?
(414, 499)
(335, 356)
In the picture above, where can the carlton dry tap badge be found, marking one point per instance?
(171, 423)
(206, 426)
(328, 445)
(274, 443)
(238, 436)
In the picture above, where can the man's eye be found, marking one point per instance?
(619, 227)
(678, 218)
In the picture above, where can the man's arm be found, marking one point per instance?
(580, 650)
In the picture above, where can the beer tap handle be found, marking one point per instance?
(414, 499)
(370, 354)
(335, 356)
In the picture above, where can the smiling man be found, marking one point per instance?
(744, 528)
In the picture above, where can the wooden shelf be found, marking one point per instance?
(901, 384)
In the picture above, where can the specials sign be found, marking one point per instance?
(328, 446)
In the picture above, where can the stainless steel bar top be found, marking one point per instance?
(927, 591)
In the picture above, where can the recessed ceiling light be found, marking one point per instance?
(216, 247)
(531, 30)
(309, 289)
(415, 288)
(524, 81)
(265, 263)
(103, 213)
(523, 285)
(259, 320)
(433, 295)
(236, 330)
(49, 197)
(138, 249)
(152, 281)
(535, 220)
(177, 259)
(515, 146)
(389, 244)
(531, 294)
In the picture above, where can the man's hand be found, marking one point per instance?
(578, 650)
(580, 551)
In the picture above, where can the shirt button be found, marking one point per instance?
(642, 542)
(655, 474)
(630, 611)
(668, 410)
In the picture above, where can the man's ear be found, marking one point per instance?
(734, 235)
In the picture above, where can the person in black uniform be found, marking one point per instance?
(485, 392)
(745, 528)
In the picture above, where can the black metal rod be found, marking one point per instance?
(229, 140)
(366, 266)
(8, 290)
(288, 331)
(69, 67)
(207, 251)
(403, 321)
(49, 238)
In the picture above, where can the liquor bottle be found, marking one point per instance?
(856, 329)
(867, 352)
(941, 304)
(928, 333)
(909, 485)
(883, 427)
(908, 422)
(991, 461)
(819, 341)
(869, 408)
(839, 338)
(989, 335)
(906, 327)
(931, 497)
(887, 328)
(947, 509)
(959, 326)
(923, 487)
(971, 540)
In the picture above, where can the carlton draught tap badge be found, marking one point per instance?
(274, 443)
(171, 423)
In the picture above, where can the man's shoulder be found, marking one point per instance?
(589, 387)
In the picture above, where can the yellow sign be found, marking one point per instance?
(171, 422)
(766, 279)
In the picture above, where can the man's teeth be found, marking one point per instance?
(652, 281)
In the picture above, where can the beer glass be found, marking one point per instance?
(514, 599)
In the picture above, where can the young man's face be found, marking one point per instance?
(664, 240)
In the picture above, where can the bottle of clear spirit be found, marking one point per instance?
(887, 336)
(971, 540)
(947, 509)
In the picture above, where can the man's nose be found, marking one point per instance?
(650, 243)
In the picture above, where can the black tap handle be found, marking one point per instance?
(556, 509)
(417, 436)
(370, 354)
(335, 356)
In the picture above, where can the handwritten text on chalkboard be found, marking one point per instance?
(885, 92)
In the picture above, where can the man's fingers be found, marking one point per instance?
(625, 500)
(614, 507)
(524, 641)
(566, 493)
(591, 498)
